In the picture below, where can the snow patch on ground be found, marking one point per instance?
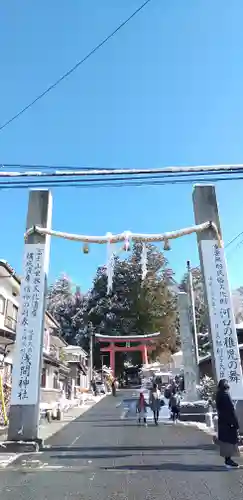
(199, 425)
(200, 402)
(7, 459)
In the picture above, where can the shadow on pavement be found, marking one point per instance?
(125, 424)
(91, 420)
(171, 466)
(90, 456)
(118, 449)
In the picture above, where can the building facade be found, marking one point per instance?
(77, 360)
(58, 372)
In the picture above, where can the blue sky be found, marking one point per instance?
(167, 90)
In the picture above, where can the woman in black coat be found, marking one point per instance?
(228, 426)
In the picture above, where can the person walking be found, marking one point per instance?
(94, 387)
(174, 405)
(228, 426)
(155, 402)
(113, 387)
(142, 409)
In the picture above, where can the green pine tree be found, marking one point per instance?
(135, 307)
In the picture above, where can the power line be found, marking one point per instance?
(200, 177)
(92, 184)
(173, 169)
(48, 167)
(228, 245)
(234, 239)
(206, 169)
(75, 67)
(132, 182)
(154, 180)
(234, 250)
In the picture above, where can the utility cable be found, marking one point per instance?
(75, 67)
(200, 177)
(108, 183)
(206, 169)
(234, 239)
(227, 169)
(234, 250)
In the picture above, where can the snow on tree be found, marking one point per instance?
(200, 309)
(59, 294)
(68, 308)
(135, 306)
(198, 289)
(79, 315)
(207, 388)
(203, 344)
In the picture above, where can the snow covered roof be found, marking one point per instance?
(57, 340)
(75, 349)
(161, 373)
(179, 353)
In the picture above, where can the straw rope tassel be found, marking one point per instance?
(110, 264)
(144, 261)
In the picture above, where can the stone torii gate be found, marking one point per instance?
(143, 340)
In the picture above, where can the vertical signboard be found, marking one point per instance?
(223, 330)
(25, 381)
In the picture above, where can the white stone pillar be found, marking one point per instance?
(225, 349)
(27, 362)
(188, 348)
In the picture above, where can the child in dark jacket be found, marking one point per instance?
(174, 405)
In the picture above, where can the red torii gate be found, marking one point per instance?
(112, 348)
